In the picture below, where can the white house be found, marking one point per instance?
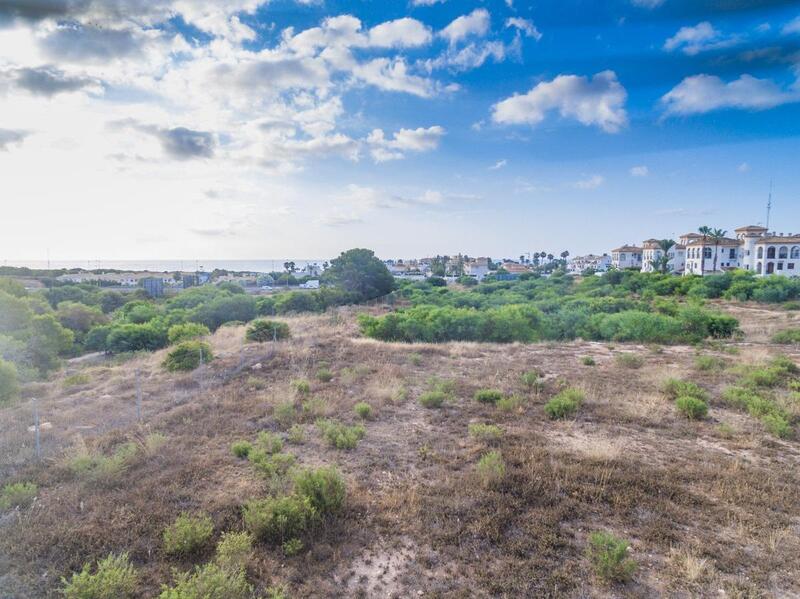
(707, 256)
(626, 256)
(578, 264)
(768, 253)
(478, 268)
(652, 254)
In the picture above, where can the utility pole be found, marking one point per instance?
(769, 204)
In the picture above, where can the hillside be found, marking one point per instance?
(710, 507)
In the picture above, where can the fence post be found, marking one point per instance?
(36, 429)
(138, 395)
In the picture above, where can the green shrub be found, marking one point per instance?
(707, 363)
(103, 469)
(531, 380)
(76, 380)
(629, 360)
(363, 410)
(301, 386)
(234, 550)
(186, 332)
(588, 361)
(324, 487)
(415, 359)
(292, 547)
(188, 355)
(790, 336)
(446, 386)
(691, 407)
(256, 384)
(187, 534)
(272, 466)
(277, 519)
(340, 435)
(491, 469)
(609, 557)
(285, 413)
(433, 399)
(17, 495)
(675, 388)
(487, 433)
(777, 424)
(210, 581)
(324, 375)
(114, 577)
(488, 396)
(261, 331)
(270, 442)
(296, 434)
(510, 404)
(565, 404)
(9, 381)
(241, 449)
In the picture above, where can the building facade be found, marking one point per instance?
(626, 256)
(653, 257)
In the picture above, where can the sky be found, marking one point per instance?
(245, 129)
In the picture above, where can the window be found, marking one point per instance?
(707, 253)
(760, 252)
(770, 253)
(780, 265)
(732, 254)
(790, 266)
(758, 268)
(622, 256)
(783, 253)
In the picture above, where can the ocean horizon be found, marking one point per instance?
(254, 265)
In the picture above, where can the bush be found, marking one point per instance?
(789, 336)
(433, 399)
(186, 332)
(487, 433)
(9, 381)
(691, 407)
(707, 363)
(510, 404)
(340, 435)
(777, 424)
(301, 386)
(488, 396)
(261, 331)
(241, 449)
(188, 355)
(124, 338)
(233, 550)
(292, 547)
(629, 360)
(272, 467)
(565, 404)
(270, 442)
(324, 488)
(363, 410)
(210, 581)
(187, 534)
(531, 380)
(588, 361)
(277, 519)
(104, 469)
(76, 380)
(609, 557)
(17, 495)
(324, 375)
(114, 577)
(675, 388)
(491, 469)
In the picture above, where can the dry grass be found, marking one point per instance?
(704, 508)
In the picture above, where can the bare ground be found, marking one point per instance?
(709, 510)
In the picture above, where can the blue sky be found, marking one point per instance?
(249, 129)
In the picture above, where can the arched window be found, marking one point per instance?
(783, 253)
(770, 253)
(760, 252)
(795, 253)
(758, 267)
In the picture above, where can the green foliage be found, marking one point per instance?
(531, 380)
(564, 404)
(691, 407)
(76, 380)
(223, 308)
(771, 415)
(114, 577)
(491, 396)
(79, 318)
(272, 466)
(17, 495)
(241, 449)
(323, 487)
(491, 469)
(210, 581)
(284, 413)
(360, 273)
(124, 338)
(433, 399)
(270, 442)
(296, 434)
(708, 363)
(363, 410)
(675, 388)
(487, 433)
(9, 381)
(292, 547)
(187, 534)
(261, 331)
(277, 519)
(340, 435)
(234, 550)
(609, 557)
(188, 355)
(630, 360)
(588, 361)
(301, 386)
(511, 403)
(186, 332)
(324, 375)
(789, 336)
(103, 469)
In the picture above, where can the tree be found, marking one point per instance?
(48, 340)
(9, 383)
(661, 264)
(289, 268)
(564, 255)
(360, 273)
(705, 231)
(79, 318)
(717, 235)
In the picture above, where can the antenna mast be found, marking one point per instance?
(769, 204)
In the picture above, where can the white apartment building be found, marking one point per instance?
(652, 254)
(478, 268)
(578, 264)
(626, 256)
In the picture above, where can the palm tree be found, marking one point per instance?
(717, 235)
(705, 231)
(564, 255)
(662, 263)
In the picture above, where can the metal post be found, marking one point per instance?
(138, 395)
(36, 429)
(202, 367)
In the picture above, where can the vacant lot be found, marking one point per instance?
(710, 507)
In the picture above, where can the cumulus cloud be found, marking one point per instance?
(401, 33)
(355, 203)
(426, 2)
(639, 171)
(525, 26)
(77, 43)
(471, 56)
(705, 93)
(476, 23)
(498, 165)
(699, 38)
(792, 26)
(599, 101)
(179, 143)
(48, 81)
(647, 3)
(592, 182)
(11, 136)
(743, 168)
(422, 139)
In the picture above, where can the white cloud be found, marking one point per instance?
(426, 2)
(743, 168)
(792, 26)
(471, 56)
(639, 171)
(699, 38)
(599, 101)
(592, 182)
(355, 203)
(393, 75)
(705, 93)
(476, 23)
(647, 3)
(402, 33)
(525, 26)
(422, 139)
(498, 165)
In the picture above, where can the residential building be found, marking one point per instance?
(579, 264)
(768, 253)
(478, 268)
(653, 253)
(626, 256)
(515, 268)
(707, 255)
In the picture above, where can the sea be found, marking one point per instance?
(255, 265)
